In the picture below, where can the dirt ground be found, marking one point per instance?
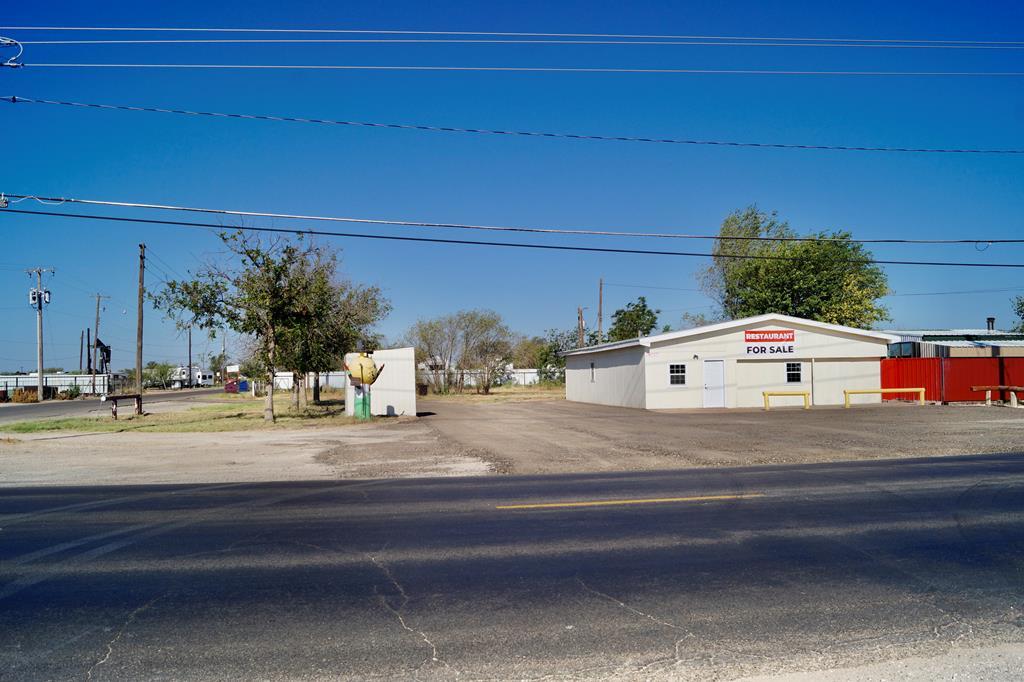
(453, 438)
(560, 436)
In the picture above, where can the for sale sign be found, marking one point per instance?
(770, 341)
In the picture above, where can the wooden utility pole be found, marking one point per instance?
(88, 345)
(96, 342)
(600, 309)
(579, 327)
(38, 296)
(138, 326)
(81, 349)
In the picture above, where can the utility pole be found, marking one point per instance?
(96, 342)
(579, 327)
(81, 349)
(224, 356)
(190, 356)
(37, 297)
(138, 327)
(600, 309)
(88, 345)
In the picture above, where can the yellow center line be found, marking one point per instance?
(612, 503)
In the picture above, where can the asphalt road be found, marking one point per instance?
(735, 571)
(52, 409)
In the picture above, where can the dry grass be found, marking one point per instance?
(507, 394)
(246, 415)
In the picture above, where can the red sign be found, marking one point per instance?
(770, 336)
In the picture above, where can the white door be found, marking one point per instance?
(714, 383)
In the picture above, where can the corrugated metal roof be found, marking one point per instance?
(948, 332)
(1008, 343)
(944, 335)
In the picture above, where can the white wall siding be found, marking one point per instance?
(617, 378)
(754, 377)
(62, 382)
(831, 377)
(394, 392)
(842, 361)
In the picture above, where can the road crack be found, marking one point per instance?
(120, 633)
(676, 657)
(434, 656)
(629, 608)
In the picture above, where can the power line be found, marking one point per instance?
(919, 293)
(524, 41)
(646, 286)
(204, 29)
(958, 293)
(14, 99)
(164, 262)
(548, 247)
(54, 201)
(526, 69)
(157, 271)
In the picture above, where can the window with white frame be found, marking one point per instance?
(677, 375)
(794, 371)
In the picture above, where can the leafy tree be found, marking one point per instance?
(526, 351)
(157, 374)
(265, 294)
(486, 347)
(332, 317)
(437, 344)
(635, 320)
(550, 361)
(830, 279)
(217, 362)
(469, 341)
(693, 320)
(1018, 309)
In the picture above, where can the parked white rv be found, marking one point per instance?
(200, 377)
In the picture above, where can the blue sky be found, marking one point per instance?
(515, 181)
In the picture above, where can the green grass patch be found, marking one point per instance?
(240, 416)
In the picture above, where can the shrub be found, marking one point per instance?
(71, 393)
(24, 395)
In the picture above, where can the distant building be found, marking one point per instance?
(957, 343)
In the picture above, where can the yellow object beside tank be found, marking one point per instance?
(361, 368)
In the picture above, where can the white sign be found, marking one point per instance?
(770, 342)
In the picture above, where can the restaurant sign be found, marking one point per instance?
(770, 341)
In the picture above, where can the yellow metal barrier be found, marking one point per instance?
(806, 395)
(868, 391)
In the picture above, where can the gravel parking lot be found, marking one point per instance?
(454, 438)
(559, 436)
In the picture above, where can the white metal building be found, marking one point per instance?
(393, 394)
(729, 365)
